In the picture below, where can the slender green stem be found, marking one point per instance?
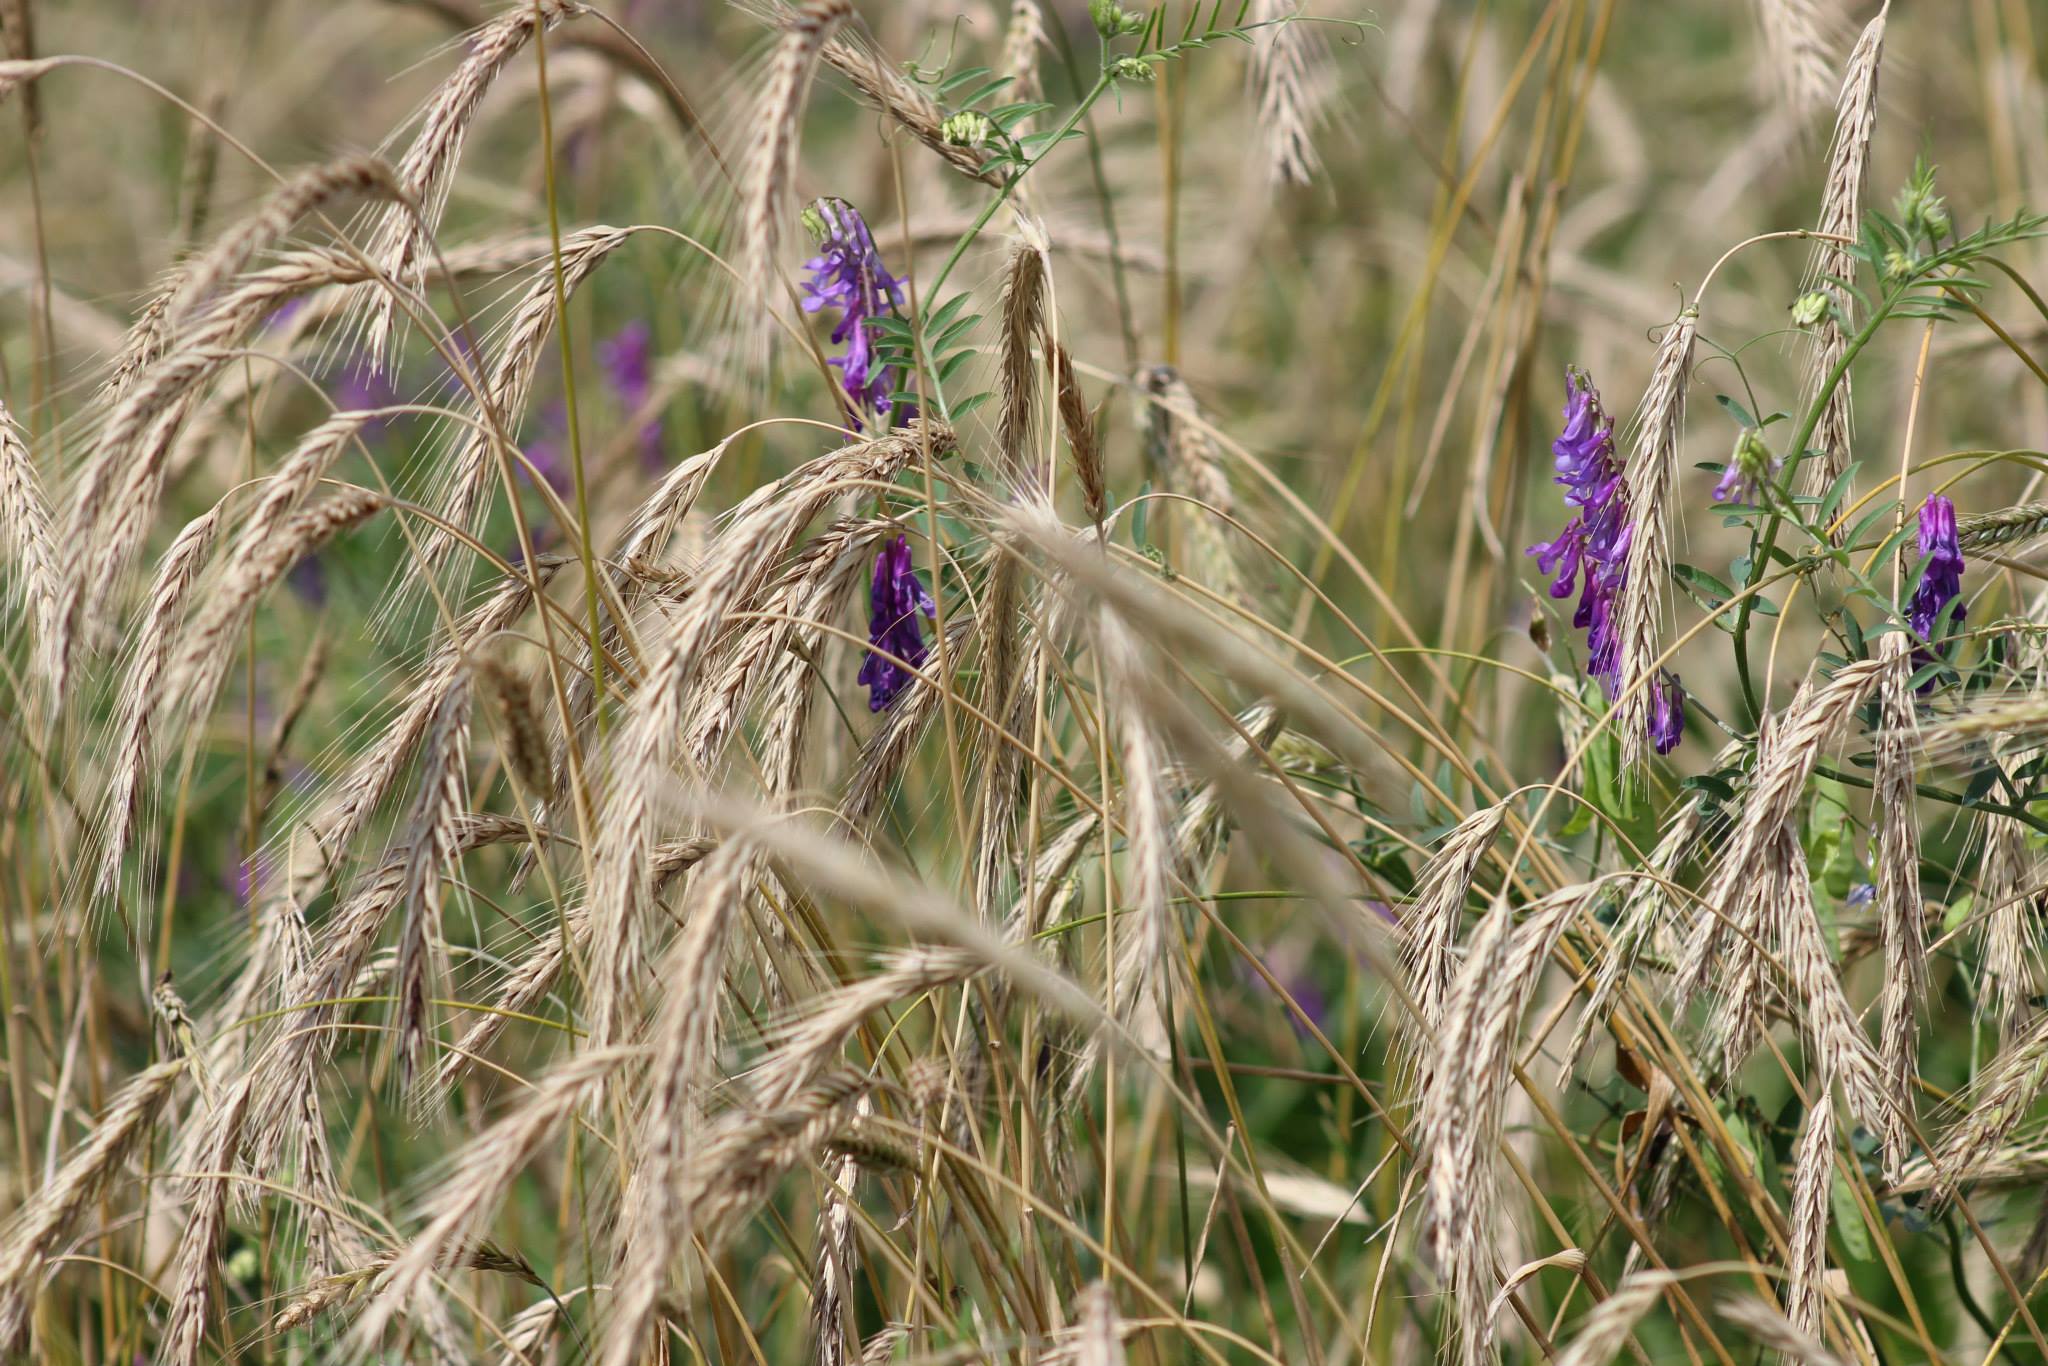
(1761, 556)
(583, 530)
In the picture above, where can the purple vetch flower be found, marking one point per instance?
(1941, 582)
(1862, 894)
(847, 274)
(627, 359)
(1667, 712)
(1592, 550)
(1750, 467)
(894, 602)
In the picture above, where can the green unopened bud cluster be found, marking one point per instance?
(1113, 20)
(967, 129)
(1922, 212)
(1752, 456)
(1809, 308)
(1131, 69)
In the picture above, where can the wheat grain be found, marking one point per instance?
(1841, 215)
(25, 531)
(1650, 476)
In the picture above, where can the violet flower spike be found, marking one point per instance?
(1667, 712)
(894, 602)
(1591, 552)
(1941, 580)
(847, 274)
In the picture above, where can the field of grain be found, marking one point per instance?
(1030, 681)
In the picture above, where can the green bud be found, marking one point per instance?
(1752, 455)
(1935, 217)
(1898, 266)
(812, 216)
(1809, 308)
(1131, 69)
(1113, 20)
(1922, 212)
(967, 129)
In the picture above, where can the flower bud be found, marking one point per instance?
(1131, 69)
(1113, 20)
(1809, 308)
(967, 129)
(1898, 265)
(1750, 466)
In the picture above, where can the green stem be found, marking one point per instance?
(1760, 557)
(583, 532)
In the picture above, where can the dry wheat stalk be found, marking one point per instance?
(1024, 282)
(469, 472)
(400, 236)
(1281, 80)
(1813, 1169)
(522, 737)
(833, 1292)
(1190, 464)
(351, 802)
(1841, 215)
(257, 562)
(1836, 1037)
(25, 531)
(1608, 1324)
(431, 848)
(1469, 1072)
(199, 1246)
(1011, 699)
(1098, 1336)
(16, 72)
(2000, 1097)
(162, 615)
(1900, 915)
(297, 197)
(529, 983)
(885, 88)
(1773, 1331)
(54, 1212)
(777, 127)
(1022, 42)
(2011, 957)
(1792, 744)
(1430, 926)
(1077, 421)
(1798, 53)
(658, 1225)
(1650, 476)
(1147, 957)
(763, 528)
(738, 1158)
(479, 1179)
(1646, 914)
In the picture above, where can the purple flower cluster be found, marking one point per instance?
(1667, 713)
(627, 359)
(1941, 581)
(896, 599)
(1591, 553)
(1592, 550)
(847, 274)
